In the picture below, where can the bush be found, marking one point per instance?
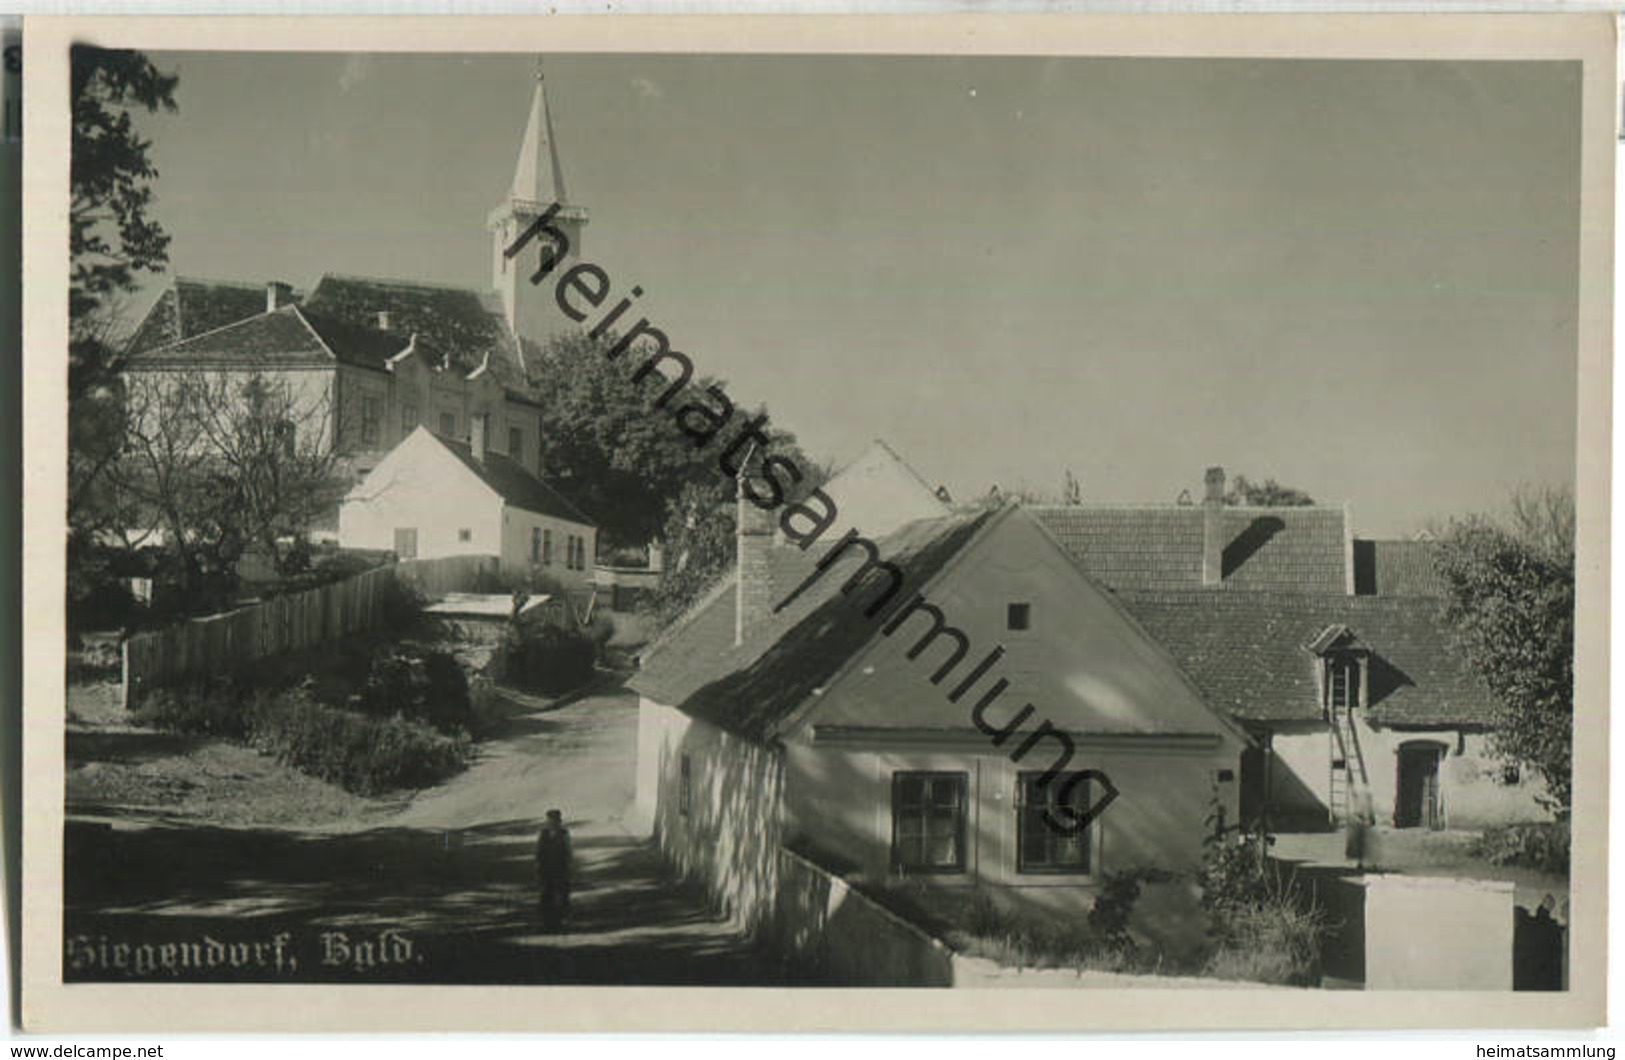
(1263, 928)
(362, 753)
(213, 708)
(359, 752)
(547, 658)
(421, 684)
(1543, 846)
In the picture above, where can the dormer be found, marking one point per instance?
(1342, 669)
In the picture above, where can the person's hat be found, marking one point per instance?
(554, 815)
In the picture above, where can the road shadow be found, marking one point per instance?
(441, 906)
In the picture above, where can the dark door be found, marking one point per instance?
(406, 542)
(1416, 800)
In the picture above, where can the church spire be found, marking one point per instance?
(538, 184)
(538, 177)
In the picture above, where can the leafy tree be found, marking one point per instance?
(623, 459)
(111, 236)
(1269, 494)
(1511, 601)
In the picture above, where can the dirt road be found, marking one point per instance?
(437, 890)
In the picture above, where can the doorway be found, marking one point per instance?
(1416, 797)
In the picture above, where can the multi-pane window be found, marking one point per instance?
(409, 419)
(372, 414)
(1018, 616)
(535, 544)
(547, 548)
(1040, 847)
(516, 442)
(928, 821)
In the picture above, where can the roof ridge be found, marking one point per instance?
(246, 285)
(397, 281)
(224, 327)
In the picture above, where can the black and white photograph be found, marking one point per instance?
(796, 518)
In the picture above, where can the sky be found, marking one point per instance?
(1359, 277)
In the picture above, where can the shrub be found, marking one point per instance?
(212, 708)
(1263, 928)
(547, 658)
(1235, 873)
(1543, 846)
(1114, 907)
(360, 752)
(417, 683)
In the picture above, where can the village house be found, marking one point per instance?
(1331, 650)
(809, 727)
(431, 497)
(1215, 663)
(372, 359)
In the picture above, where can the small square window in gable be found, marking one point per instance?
(1018, 617)
(465, 535)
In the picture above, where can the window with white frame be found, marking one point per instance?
(1042, 847)
(928, 821)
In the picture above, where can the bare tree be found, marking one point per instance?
(222, 461)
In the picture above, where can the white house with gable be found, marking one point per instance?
(431, 497)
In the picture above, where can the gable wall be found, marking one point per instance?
(1083, 664)
(420, 485)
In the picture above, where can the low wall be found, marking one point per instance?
(1427, 933)
(833, 934)
(1395, 932)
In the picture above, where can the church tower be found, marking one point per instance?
(538, 183)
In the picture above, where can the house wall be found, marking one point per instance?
(1471, 785)
(839, 805)
(313, 392)
(422, 486)
(517, 527)
(730, 834)
(417, 394)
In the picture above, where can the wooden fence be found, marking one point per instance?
(217, 644)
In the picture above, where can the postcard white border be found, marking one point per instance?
(49, 1005)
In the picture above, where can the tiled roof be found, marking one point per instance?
(281, 338)
(1396, 568)
(454, 324)
(1246, 652)
(752, 689)
(1134, 547)
(517, 486)
(189, 306)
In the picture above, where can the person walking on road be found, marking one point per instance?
(553, 870)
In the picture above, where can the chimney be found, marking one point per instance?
(1213, 527)
(753, 589)
(477, 430)
(277, 295)
(383, 320)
